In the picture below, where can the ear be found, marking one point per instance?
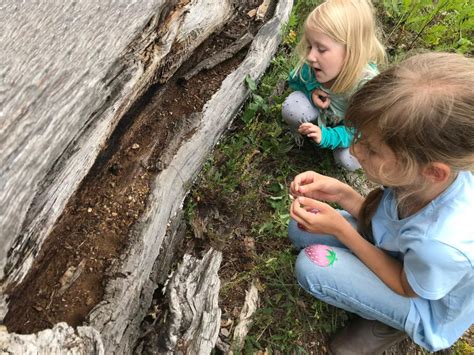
(437, 172)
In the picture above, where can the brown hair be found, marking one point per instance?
(422, 109)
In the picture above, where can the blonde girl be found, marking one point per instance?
(339, 52)
(408, 267)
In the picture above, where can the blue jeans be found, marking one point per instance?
(346, 282)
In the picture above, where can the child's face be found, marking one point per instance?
(326, 57)
(377, 159)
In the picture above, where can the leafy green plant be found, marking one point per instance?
(256, 103)
(299, 315)
(445, 25)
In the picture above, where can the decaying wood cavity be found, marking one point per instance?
(119, 215)
(35, 194)
(112, 197)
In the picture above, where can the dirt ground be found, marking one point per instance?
(68, 277)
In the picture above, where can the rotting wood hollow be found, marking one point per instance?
(93, 231)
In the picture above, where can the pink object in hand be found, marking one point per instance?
(312, 210)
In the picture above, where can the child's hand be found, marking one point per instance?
(325, 221)
(317, 186)
(312, 131)
(321, 98)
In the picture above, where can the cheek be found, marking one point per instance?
(356, 151)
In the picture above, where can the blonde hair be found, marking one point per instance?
(422, 109)
(351, 23)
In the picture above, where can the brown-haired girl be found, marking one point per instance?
(408, 267)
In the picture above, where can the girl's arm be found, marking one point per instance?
(387, 268)
(329, 221)
(335, 137)
(321, 187)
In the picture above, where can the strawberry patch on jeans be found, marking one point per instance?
(321, 255)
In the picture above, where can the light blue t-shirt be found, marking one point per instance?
(436, 246)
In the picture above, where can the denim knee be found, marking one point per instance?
(308, 274)
(295, 235)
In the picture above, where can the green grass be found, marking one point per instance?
(249, 173)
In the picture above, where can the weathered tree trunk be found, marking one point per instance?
(122, 293)
(193, 321)
(62, 339)
(69, 73)
(62, 103)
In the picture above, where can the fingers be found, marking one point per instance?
(321, 99)
(311, 131)
(303, 183)
(307, 128)
(310, 204)
(304, 214)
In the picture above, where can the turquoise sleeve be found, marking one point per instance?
(303, 81)
(296, 83)
(335, 137)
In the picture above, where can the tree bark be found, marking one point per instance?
(63, 103)
(121, 305)
(62, 339)
(70, 72)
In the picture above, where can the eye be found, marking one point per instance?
(322, 49)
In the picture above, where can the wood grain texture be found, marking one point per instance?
(75, 71)
(121, 305)
(194, 317)
(70, 71)
(61, 339)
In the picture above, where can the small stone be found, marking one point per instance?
(225, 332)
(135, 146)
(89, 210)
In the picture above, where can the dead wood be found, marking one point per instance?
(194, 314)
(66, 85)
(245, 319)
(122, 307)
(227, 53)
(61, 339)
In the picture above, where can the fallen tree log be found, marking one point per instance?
(129, 289)
(121, 304)
(193, 316)
(70, 72)
(62, 339)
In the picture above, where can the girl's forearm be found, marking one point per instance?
(387, 268)
(351, 201)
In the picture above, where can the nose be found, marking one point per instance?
(312, 55)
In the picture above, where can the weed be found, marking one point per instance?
(445, 25)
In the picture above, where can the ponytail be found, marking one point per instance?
(367, 211)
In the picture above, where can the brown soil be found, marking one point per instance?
(68, 277)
